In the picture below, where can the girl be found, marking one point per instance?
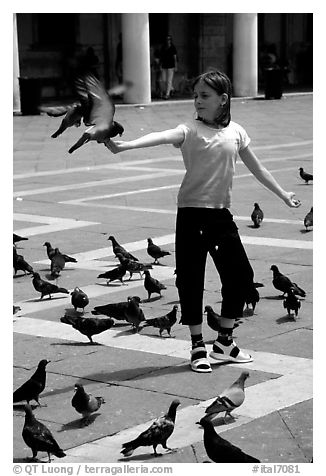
(210, 144)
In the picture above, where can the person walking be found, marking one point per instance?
(210, 144)
(168, 60)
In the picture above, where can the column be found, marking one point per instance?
(245, 54)
(16, 92)
(136, 57)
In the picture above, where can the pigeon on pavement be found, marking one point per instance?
(38, 437)
(17, 238)
(117, 310)
(79, 299)
(88, 326)
(114, 274)
(101, 112)
(152, 285)
(220, 450)
(34, 386)
(134, 314)
(85, 403)
(252, 297)
(305, 175)
(213, 319)
(308, 219)
(20, 264)
(291, 303)
(57, 263)
(45, 287)
(284, 284)
(133, 266)
(231, 398)
(257, 215)
(155, 251)
(157, 434)
(118, 249)
(163, 322)
(52, 251)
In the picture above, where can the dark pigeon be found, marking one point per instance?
(118, 249)
(38, 437)
(19, 263)
(114, 274)
(45, 287)
(52, 251)
(252, 297)
(57, 263)
(84, 403)
(305, 175)
(79, 299)
(117, 310)
(220, 450)
(34, 386)
(213, 319)
(152, 285)
(163, 322)
(308, 219)
(157, 434)
(257, 215)
(155, 251)
(291, 303)
(134, 314)
(17, 238)
(88, 326)
(284, 284)
(133, 266)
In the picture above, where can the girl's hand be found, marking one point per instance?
(114, 147)
(291, 201)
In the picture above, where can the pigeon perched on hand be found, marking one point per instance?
(231, 398)
(52, 251)
(85, 403)
(57, 263)
(34, 386)
(308, 219)
(133, 266)
(101, 112)
(284, 284)
(163, 322)
(291, 303)
(118, 249)
(19, 263)
(220, 450)
(38, 437)
(114, 274)
(134, 315)
(117, 310)
(155, 251)
(88, 326)
(305, 175)
(157, 434)
(152, 285)
(257, 215)
(17, 238)
(79, 299)
(45, 287)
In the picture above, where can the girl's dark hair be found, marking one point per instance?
(221, 84)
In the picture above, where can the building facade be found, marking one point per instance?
(52, 46)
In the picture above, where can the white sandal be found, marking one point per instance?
(200, 365)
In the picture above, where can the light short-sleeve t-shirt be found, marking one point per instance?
(209, 156)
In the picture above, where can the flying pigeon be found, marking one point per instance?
(291, 303)
(308, 219)
(305, 175)
(231, 398)
(114, 274)
(57, 263)
(134, 315)
(20, 264)
(17, 238)
(164, 322)
(118, 249)
(85, 403)
(88, 326)
(220, 450)
(157, 434)
(133, 266)
(257, 215)
(284, 284)
(152, 285)
(117, 310)
(38, 437)
(45, 287)
(155, 251)
(34, 386)
(79, 299)
(101, 112)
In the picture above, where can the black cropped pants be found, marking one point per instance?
(208, 230)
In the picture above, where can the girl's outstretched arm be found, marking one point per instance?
(265, 177)
(170, 136)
